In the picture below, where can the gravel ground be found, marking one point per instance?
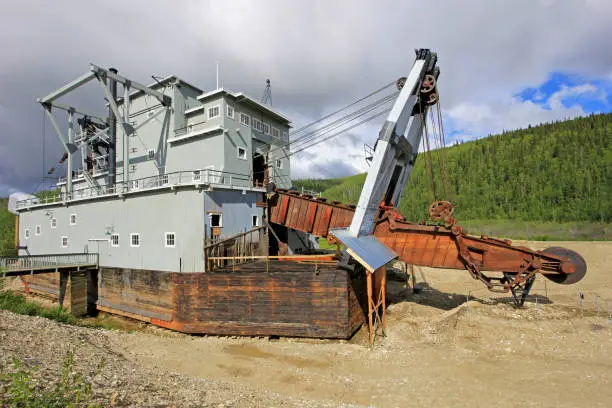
(121, 381)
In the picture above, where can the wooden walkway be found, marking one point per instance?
(33, 264)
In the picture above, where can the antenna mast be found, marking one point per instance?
(267, 95)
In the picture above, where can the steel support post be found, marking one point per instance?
(70, 143)
(126, 135)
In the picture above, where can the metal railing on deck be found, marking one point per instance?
(181, 178)
(47, 262)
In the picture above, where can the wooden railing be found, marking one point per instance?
(18, 265)
(236, 249)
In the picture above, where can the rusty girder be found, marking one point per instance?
(439, 246)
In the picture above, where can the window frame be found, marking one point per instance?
(266, 128)
(255, 217)
(248, 119)
(238, 148)
(277, 131)
(134, 184)
(210, 108)
(64, 237)
(37, 230)
(278, 163)
(210, 216)
(254, 124)
(132, 235)
(151, 154)
(166, 236)
(53, 223)
(75, 219)
(26, 233)
(227, 111)
(197, 179)
(112, 241)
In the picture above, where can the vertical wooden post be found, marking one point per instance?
(383, 295)
(370, 311)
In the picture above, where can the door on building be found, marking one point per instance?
(260, 170)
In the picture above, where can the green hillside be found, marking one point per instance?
(7, 229)
(558, 173)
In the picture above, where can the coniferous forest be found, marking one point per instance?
(555, 172)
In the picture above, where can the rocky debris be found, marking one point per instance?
(117, 380)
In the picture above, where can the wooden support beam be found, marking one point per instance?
(370, 311)
(377, 308)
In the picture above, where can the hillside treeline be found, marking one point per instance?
(558, 172)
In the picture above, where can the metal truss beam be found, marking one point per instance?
(83, 79)
(70, 109)
(99, 71)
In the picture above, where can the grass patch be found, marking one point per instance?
(324, 244)
(540, 230)
(20, 386)
(17, 303)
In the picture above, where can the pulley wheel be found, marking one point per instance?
(573, 260)
(429, 84)
(432, 99)
(400, 83)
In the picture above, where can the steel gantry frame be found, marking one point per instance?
(104, 77)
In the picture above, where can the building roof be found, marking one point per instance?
(162, 82)
(243, 98)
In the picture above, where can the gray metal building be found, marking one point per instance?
(170, 168)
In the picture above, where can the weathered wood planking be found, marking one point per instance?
(291, 299)
(46, 284)
(140, 292)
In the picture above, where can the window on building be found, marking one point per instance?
(285, 135)
(135, 184)
(133, 149)
(275, 132)
(257, 125)
(242, 153)
(170, 240)
(255, 221)
(229, 111)
(216, 220)
(245, 119)
(151, 154)
(164, 180)
(72, 219)
(64, 242)
(278, 164)
(114, 240)
(213, 112)
(135, 240)
(266, 128)
(26, 233)
(38, 230)
(53, 222)
(196, 175)
(132, 168)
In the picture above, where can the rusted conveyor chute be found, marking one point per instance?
(435, 246)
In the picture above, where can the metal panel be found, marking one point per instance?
(368, 250)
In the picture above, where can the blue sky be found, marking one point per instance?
(592, 100)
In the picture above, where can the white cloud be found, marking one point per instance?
(477, 120)
(318, 55)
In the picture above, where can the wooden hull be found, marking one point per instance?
(291, 299)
